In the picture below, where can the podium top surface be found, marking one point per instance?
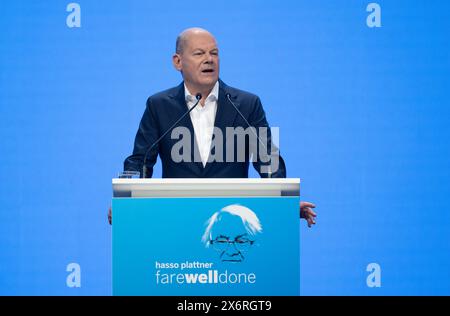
(205, 187)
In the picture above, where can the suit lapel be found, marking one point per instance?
(180, 100)
(225, 117)
(226, 114)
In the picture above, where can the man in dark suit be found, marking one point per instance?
(165, 108)
(219, 108)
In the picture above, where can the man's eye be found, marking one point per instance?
(221, 240)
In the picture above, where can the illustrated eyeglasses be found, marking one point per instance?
(222, 244)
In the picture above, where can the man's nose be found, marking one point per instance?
(232, 247)
(209, 59)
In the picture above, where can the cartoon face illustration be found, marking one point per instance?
(232, 231)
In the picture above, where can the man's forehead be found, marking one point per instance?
(229, 222)
(201, 41)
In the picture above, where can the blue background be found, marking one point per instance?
(363, 116)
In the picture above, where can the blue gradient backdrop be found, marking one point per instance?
(363, 116)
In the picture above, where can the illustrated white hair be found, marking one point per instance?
(248, 217)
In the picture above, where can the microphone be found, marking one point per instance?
(198, 96)
(269, 174)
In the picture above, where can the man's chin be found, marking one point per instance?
(203, 84)
(231, 260)
(208, 82)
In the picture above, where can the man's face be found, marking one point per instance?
(199, 61)
(230, 238)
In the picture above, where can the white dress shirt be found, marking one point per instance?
(202, 118)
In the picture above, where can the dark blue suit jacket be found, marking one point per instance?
(165, 108)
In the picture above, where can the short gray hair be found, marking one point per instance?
(249, 220)
(182, 38)
(181, 42)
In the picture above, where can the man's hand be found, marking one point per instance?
(307, 213)
(110, 216)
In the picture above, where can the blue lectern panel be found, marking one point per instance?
(206, 246)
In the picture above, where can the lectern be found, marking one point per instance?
(206, 237)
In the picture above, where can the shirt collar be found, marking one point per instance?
(213, 95)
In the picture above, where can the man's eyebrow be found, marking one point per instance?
(239, 236)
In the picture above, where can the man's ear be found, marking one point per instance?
(176, 61)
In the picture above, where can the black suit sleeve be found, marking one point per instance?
(270, 159)
(146, 135)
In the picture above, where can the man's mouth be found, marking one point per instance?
(207, 71)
